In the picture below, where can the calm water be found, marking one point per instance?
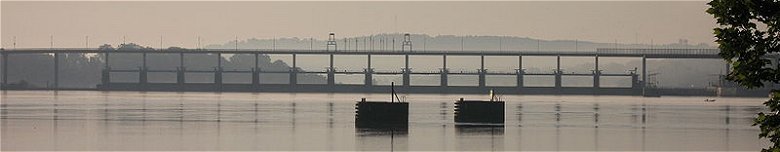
(92, 120)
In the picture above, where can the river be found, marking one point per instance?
(163, 121)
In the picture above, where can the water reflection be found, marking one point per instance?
(382, 138)
(480, 137)
(196, 121)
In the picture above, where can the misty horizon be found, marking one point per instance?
(179, 25)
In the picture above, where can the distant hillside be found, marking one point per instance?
(441, 42)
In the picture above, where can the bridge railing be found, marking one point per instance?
(629, 52)
(649, 51)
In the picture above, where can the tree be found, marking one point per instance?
(106, 47)
(747, 37)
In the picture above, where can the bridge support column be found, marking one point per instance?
(596, 74)
(444, 71)
(56, 71)
(142, 76)
(105, 75)
(406, 72)
(294, 71)
(520, 75)
(558, 73)
(5, 69)
(218, 77)
(369, 78)
(644, 74)
(369, 73)
(520, 72)
(218, 72)
(255, 77)
(444, 80)
(256, 73)
(180, 76)
(635, 83)
(482, 72)
(331, 73)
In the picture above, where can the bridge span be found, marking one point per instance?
(638, 82)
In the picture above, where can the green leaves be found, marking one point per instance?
(748, 48)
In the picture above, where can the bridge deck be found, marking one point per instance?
(605, 52)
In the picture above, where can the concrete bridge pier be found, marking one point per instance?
(644, 74)
(5, 69)
(293, 76)
(294, 71)
(218, 72)
(142, 72)
(520, 72)
(406, 72)
(218, 77)
(180, 71)
(443, 80)
(635, 83)
(596, 74)
(597, 79)
(444, 71)
(369, 78)
(520, 75)
(255, 77)
(180, 75)
(256, 73)
(142, 76)
(331, 73)
(558, 73)
(105, 76)
(405, 75)
(56, 70)
(481, 74)
(482, 71)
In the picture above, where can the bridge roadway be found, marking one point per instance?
(368, 85)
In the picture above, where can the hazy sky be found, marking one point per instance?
(179, 23)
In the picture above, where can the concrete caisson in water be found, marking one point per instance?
(478, 111)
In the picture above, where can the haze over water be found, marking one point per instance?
(93, 120)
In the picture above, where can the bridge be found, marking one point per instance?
(638, 85)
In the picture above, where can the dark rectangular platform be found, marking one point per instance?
(476, 111)
(381, 114)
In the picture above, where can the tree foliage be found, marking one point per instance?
(748, 39)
